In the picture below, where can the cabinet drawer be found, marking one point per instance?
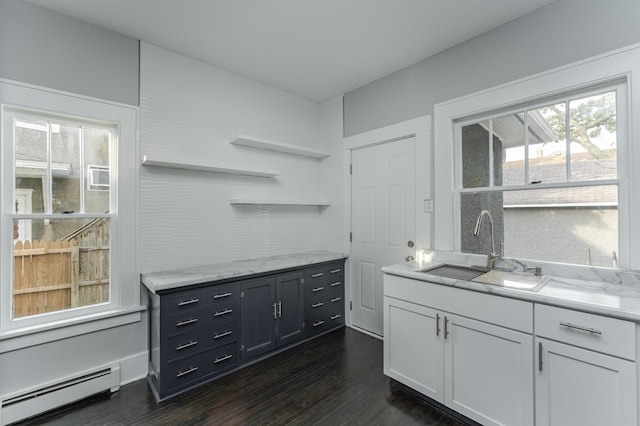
(185, 371)
(603, 334)
(224, 295)
(188, 322)
(183, 345)
(185, 301)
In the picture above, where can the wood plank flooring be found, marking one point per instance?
(335, 379)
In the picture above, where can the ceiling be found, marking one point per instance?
(317, 49)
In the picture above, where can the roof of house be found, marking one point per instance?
(553, 169)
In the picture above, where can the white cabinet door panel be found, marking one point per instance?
(413, 352)
(488, 374)
(579, 387)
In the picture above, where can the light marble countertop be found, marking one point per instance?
(600, 291)
(166, 280)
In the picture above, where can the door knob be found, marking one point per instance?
(410, 244)
(409, 258)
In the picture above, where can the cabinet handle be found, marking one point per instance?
(446, 327)
(318, 289)
(437, 325)
(317, 305)
(336, 283)
(223, 334)
(335, 271)
(275, 312)
(335, 317)
(540, 356)
(315, 324)
(224, 358)
(280, 309)
(218, 296)
(191, 370)
(317, 275)
(186, 322)
(578, 327)
(225, 312)
(186, 345)
(336, 299)
(188, 302)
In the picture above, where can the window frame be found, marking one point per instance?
(124, 291)
(610, 68)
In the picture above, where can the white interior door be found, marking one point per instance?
(383, 222)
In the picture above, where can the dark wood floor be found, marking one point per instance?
(333, 380)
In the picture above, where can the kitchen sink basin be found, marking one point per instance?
(456, 272)
(507, 279)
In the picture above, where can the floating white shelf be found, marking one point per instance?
(253, 202)
(148, 161)
(268, 145)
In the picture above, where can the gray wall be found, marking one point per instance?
(47, 49)
(563, 32)
(44, 48)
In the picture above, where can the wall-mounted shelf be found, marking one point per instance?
(155, 162)
(255, 202)
(253, 142)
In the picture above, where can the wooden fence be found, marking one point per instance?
(55, 275)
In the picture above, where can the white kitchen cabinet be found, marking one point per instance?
(587, 374)
(459, 348)
(413, 347)
(488, 374)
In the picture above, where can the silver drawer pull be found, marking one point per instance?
(335, 317)
(191, 370)
(318, 289)
(188, 302)
(336, 283)
(225, 312)
(317, 305)
(578, 327)
(315, 324)
(219, 296)
(186, 322)
(186, 345)
(317, 275)
(336, 299)
(221, 335)
(335, 271)
(224, 358)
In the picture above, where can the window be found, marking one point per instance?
(551, 157)
(98, 178)
(64, 159)
(65, 263)
(548, 173)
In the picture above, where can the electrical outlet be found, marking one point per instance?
(428, 206)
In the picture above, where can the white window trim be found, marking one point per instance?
(125, 291)
(620, 64)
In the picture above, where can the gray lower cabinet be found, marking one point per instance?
(200, 332)
(323, 297)
(272, 313)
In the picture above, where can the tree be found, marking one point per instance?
(587, 118)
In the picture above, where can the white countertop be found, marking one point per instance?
(166, 280)
(619, 297)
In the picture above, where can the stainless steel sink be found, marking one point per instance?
(456, 272)
(507, 279)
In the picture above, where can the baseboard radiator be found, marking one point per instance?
(55, 394)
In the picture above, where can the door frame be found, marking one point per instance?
(421, 129)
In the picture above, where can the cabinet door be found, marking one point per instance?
(258, 317)
(576, 386)
(290, 307)
(413, 352)
(488, 374)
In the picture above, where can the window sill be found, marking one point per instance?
(25, 337)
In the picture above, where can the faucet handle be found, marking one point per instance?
(537, 270)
